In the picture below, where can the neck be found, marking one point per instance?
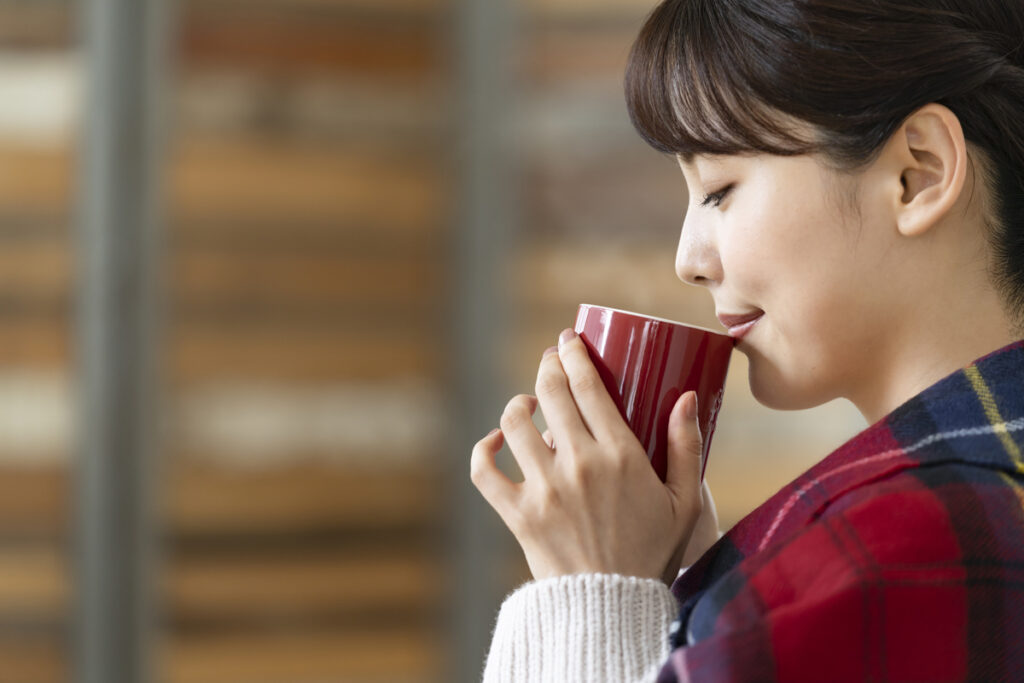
(934, 349)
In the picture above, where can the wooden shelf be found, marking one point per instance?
(246, 611)
(325, 356)
(588, 10)
(302, 278)
(36, 26)
(35, 181)
(305, 249)
(34, 501)
(250, 351)
(272, 40)
(240, 588)
(385, 7)
(239, 180)
(392, 656)
(218, 500)
(34, 584)
(236, 587)
(33, 659)
(257, 180)
(558, 56)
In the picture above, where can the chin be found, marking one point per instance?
(775, 389)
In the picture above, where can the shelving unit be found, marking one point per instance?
(313, 200)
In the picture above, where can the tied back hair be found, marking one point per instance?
(726, 77)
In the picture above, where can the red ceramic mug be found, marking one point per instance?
(648, 363)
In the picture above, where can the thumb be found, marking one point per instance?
(684, 449)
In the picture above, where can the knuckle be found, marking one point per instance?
(581, 464)
(478, 466)
(618, 465)
(568, 446)
(584, 383)
(583, 471)
(691, 443)
(624, 441)
(545, 499)
(511, 420)
(516, 414)
(548, 382)
(624, 452)
(623, 461)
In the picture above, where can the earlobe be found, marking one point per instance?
(934, 170)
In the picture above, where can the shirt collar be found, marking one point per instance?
(973, 415)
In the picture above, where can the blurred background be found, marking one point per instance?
(376, 215)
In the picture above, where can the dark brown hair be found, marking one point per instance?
(726, 76)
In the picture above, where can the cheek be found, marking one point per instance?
(774, 239)
(749, 257)
(811, 322)
(810, 264)
(781, 381)
(813, 334)
(816, 314)
(791, 255)
(797, 364)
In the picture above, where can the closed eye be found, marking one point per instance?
(715, 199)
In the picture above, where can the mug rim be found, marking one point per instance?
(656, 319)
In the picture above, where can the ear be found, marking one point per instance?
(931, 155)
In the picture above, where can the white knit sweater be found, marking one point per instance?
(582, 627)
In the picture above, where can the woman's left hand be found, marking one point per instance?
(591, 502)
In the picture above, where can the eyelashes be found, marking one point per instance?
(715, 199)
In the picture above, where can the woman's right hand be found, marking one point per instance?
(706, 533)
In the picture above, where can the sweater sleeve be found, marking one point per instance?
(582, 627)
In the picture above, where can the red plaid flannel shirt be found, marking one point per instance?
(899, 557)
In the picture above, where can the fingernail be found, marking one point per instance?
(494, 431)
(691, 407)
(550, 350)
(567, 336)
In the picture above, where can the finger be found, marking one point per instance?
(548, 439)
(497, 489)
(556, 401)
(684, 451)
(525, 442)
(595, 404)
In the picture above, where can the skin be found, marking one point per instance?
(872, 300)
(874, 286)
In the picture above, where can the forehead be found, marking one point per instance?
(794, 171)
(695, 164)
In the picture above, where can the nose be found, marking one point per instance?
(697, 260)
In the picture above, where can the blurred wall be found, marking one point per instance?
(310, 202)
(39, 89)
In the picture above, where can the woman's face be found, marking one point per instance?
(787, 236)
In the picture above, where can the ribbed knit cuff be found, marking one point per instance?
(582, 627)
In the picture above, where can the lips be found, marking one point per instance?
(739, 324)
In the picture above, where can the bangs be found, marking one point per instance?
(700, 81)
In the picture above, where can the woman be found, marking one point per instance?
(856, 175)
